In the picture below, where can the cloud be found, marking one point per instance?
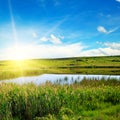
(113, 45)
(110, 48)
(103, 30)
(58, 51)
(42, 51)
(102, 52)
(117, 0)
(53, 39)
(44, 39)
(106, 49)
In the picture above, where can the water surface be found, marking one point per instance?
(66, 78)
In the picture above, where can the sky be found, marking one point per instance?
(59, 28)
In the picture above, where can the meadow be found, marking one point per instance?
(109, 65)
(89, 99)
(86, 100)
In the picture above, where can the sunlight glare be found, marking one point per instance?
(17, 53)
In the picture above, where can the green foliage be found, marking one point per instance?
(77, 101)
(65, 111)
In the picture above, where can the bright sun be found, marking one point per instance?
(17, 53)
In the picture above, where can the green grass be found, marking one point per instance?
(90, 99)
(85, 100)
(109, 65)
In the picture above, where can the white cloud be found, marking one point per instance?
(101, 29)
(41, 51)
(104, 30)
(53, 39)
(117, 0)
(110, 51)
(58, 51)
(112, 45)
(107, 51)
(44, 39)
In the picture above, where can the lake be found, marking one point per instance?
(62, 78)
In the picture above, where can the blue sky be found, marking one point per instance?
(59, 28)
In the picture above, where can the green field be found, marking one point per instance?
(89, 99)
(85, 100)
(109, 65)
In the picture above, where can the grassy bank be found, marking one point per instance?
(85, 100)
(109, 65)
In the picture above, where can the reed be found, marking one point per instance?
(90, 99)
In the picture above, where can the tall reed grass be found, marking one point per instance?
(88, 99)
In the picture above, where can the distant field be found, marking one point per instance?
(78, 65)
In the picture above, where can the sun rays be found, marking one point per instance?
(16, 52)
(13, 22)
